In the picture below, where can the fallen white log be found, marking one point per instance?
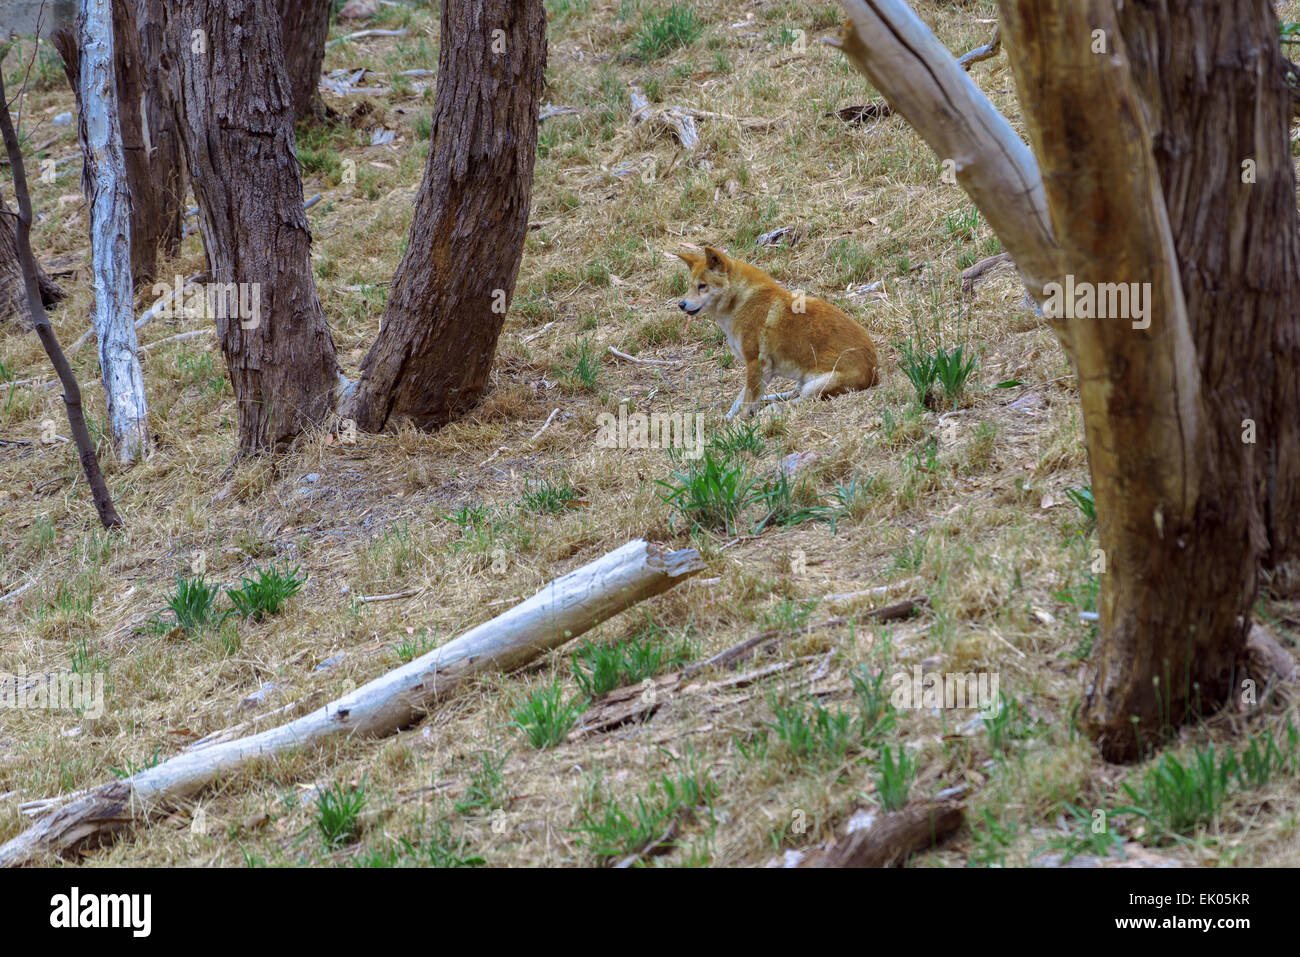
(561, 611)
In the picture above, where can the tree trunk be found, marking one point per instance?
(1185, 484)
(147, 132)
(13, 288)
(158, 133)
(304, 27)
(1189, 414)
(110, 232)
(451, 291)
(149, 142)
(236, 126)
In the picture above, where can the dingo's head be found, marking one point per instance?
(710, 275)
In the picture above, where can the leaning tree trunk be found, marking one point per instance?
(1188, 413)
(451, 291)
(236, 125)
(304, 26)
(13, 289)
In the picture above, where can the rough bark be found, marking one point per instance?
(1183, 500)
(564, 609)
(1214, 78)
(13, 287)
(304, 27)
(161, 201)
(1149, 190)
(451, 291)
(236, 125)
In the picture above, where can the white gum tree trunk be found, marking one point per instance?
(110, 234)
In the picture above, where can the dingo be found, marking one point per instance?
(776, 332)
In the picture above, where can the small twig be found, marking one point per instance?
(184, 335)
(19, 590)
(540, 331)
(986, 52)
(43, 805)
(656, 846)
(549, 419)
(367, 34)
(644, 362)
(879, 590)
(550, 110)
(365, 599)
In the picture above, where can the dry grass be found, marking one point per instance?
(966, 508)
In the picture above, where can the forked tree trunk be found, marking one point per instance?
(13, 289)
(1190, 421)
(304, 27)
(450, 294)
(236, 124)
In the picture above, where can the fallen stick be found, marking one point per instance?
(367, 34)
(157, 309)
(546, 425)
(844, 596)
(19, 590)
(645, 362)
(229, 734)
(366, 599)
(564, 609)
(969, 276)
(891, 837)
(749, 647)
(180, 338)
(858, 115)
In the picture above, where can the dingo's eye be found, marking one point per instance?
(702, 286)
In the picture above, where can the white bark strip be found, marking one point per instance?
(561, 611)
(110, 235)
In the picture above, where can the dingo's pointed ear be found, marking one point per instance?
(689, 258)
(715, 259)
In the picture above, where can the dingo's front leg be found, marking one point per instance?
(754, 378)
